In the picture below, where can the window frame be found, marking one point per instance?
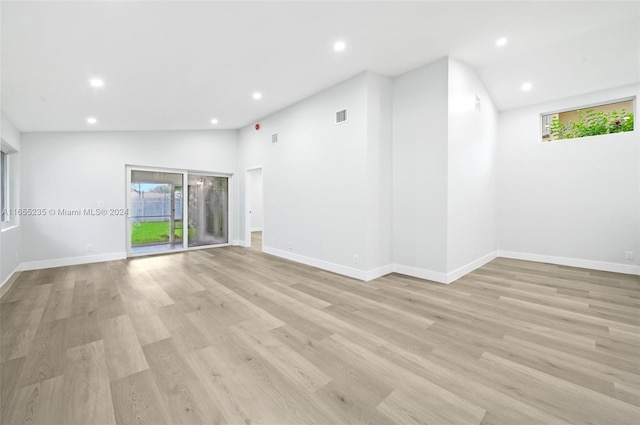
(4, 189)
(544, 131)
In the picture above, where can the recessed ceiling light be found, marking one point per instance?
(92, 120)
(339, 46)
(257, 96)
(526, 86)
(96, 82)
(502, 41)
(214, 121)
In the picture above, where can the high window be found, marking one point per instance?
(606, 118)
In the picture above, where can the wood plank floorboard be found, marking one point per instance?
(234, 336)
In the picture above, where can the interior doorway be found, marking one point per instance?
(255, 207)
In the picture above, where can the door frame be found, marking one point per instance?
(185, 207)
(247, 205)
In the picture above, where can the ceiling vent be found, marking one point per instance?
(341, 117)
(274, 138)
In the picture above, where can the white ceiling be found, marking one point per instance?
(175, 65)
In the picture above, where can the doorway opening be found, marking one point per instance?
(255, 208)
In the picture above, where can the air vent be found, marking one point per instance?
(341, 116)
(274, 138)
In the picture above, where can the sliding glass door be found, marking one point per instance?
(208, 210)
(158, 215)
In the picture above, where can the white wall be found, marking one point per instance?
(471, 218)
(378, 257)
(256, 199)
(81, 170)
(11, 235)
(416, 182)
(574, 202)
(420, 171)
(326, 186)
(444, 183)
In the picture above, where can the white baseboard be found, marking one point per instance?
(384, 270)
(242, 243)
(441, 277)
(72, 261)
(476, 264)
(573, 262)
(365, 275)
(256, 229)
(379, 272)
(332, 267)
(420, 273)
(9, 281)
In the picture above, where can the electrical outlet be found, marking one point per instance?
(290, 246)
(628, 255)
(356, 259)
(89, 248)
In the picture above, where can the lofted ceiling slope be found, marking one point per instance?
(176, 65)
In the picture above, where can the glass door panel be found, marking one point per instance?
(208, 210)
(155, 211)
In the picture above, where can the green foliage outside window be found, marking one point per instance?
(592, 123)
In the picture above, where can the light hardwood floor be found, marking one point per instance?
(231, 335)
